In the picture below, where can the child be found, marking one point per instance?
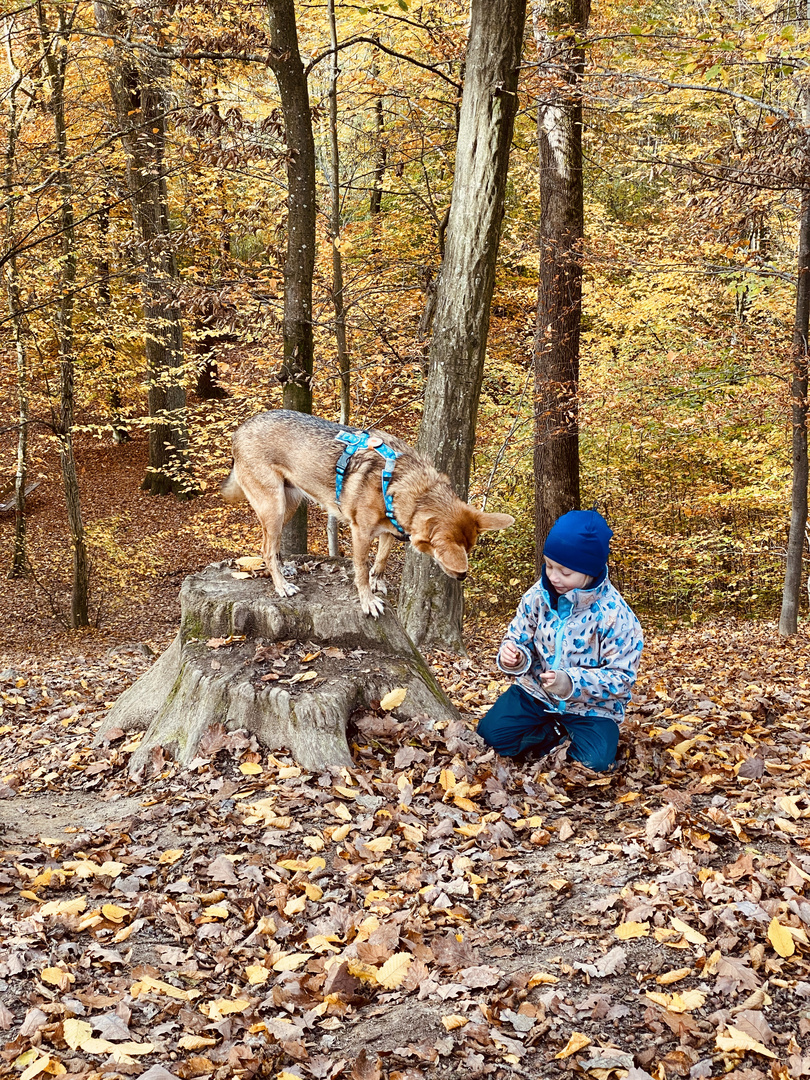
(574, 646)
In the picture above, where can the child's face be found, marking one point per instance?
(563, 579)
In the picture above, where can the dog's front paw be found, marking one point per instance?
(378, 585)
(372, 606)
(287, 589)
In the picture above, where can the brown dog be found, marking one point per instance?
(374, 481)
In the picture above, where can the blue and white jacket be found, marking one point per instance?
(593, 637)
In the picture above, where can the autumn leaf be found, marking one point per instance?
(781, 938)
(628, 930)
(577, 1042)
(393, 699)
(732, 1039)
(394, 970)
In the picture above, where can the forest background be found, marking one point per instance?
(693, 166)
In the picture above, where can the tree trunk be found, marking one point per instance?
(789, 617)
(55, 55)
(119, 430)
(139, 92)
(297, 366)
(559, 300)
(19, 559)
(338, 299)
(253, 679)
(431, 604)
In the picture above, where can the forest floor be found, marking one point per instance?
(433, 911)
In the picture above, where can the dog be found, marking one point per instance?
(378, 484)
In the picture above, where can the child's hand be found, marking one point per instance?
(510, 655)
(548, 677)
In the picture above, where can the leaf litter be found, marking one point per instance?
(433, 910)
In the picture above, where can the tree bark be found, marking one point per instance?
(55, 59)
(789, 616)
(139, 93)
(338, 299)
(297, 365)
(431, 604)
(250, 682)
(559, 300)
(19, 558)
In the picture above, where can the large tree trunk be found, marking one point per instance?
(292, 670)
(431, 604)
(789, 617)
(297, 365)
(139, 88)
(338, 299)
(559, 301)
(55, 57)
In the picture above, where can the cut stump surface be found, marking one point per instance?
(292, 670)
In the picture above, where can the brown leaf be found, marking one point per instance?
(366, 1067)
(661, 823)
(221, 869)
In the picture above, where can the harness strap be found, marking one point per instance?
(360, 440)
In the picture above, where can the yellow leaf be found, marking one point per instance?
(148, 985)
(394, 699)
(340, 833)
(76, 1032)
(39, 1066)
(170, 856)
(688, 1001)
(195, 1042)
(295, 906)
(454, 1021)
(313, 892)
(447, 778)
(379, 844)
(394, 971)
(577, 1042)
(292, 962)
(694, 937)
(63, 907)
(114, 913)
(734, 1039)
(215, 1010)
(251, 768)
(627, 930)
(315, 842)
(673, 976)
(781, 938)
(217, 911)
(542, 978)
(256, 975)
(57, 977)
(249, 562)
(323, 943)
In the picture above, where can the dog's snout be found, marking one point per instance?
(461, 577)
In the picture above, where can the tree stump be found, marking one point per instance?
(292, 670)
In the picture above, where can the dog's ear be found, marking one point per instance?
(421, 545)
(488, 522)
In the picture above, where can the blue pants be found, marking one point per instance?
(518, 722)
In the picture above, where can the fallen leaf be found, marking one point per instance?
(577, 1042)
(393, 699)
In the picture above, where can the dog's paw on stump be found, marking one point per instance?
(291, 669)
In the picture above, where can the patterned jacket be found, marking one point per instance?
(593, 637)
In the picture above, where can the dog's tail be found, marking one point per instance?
(231, 491)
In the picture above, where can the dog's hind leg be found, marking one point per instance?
(376, 577)
(361, 546)
(272, 507)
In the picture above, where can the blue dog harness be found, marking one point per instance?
(360, 440)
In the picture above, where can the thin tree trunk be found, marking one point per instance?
(139, 89)
(559, 301)
(55, 52)
(431, 604)
(19, 559)
(338, 299)
(789, 617)
(297, 366)
(119, 431)
(381, 154)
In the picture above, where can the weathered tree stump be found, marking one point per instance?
(239, 660)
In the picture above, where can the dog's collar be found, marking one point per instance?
(359, 440)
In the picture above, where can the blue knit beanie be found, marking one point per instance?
(580, 540)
